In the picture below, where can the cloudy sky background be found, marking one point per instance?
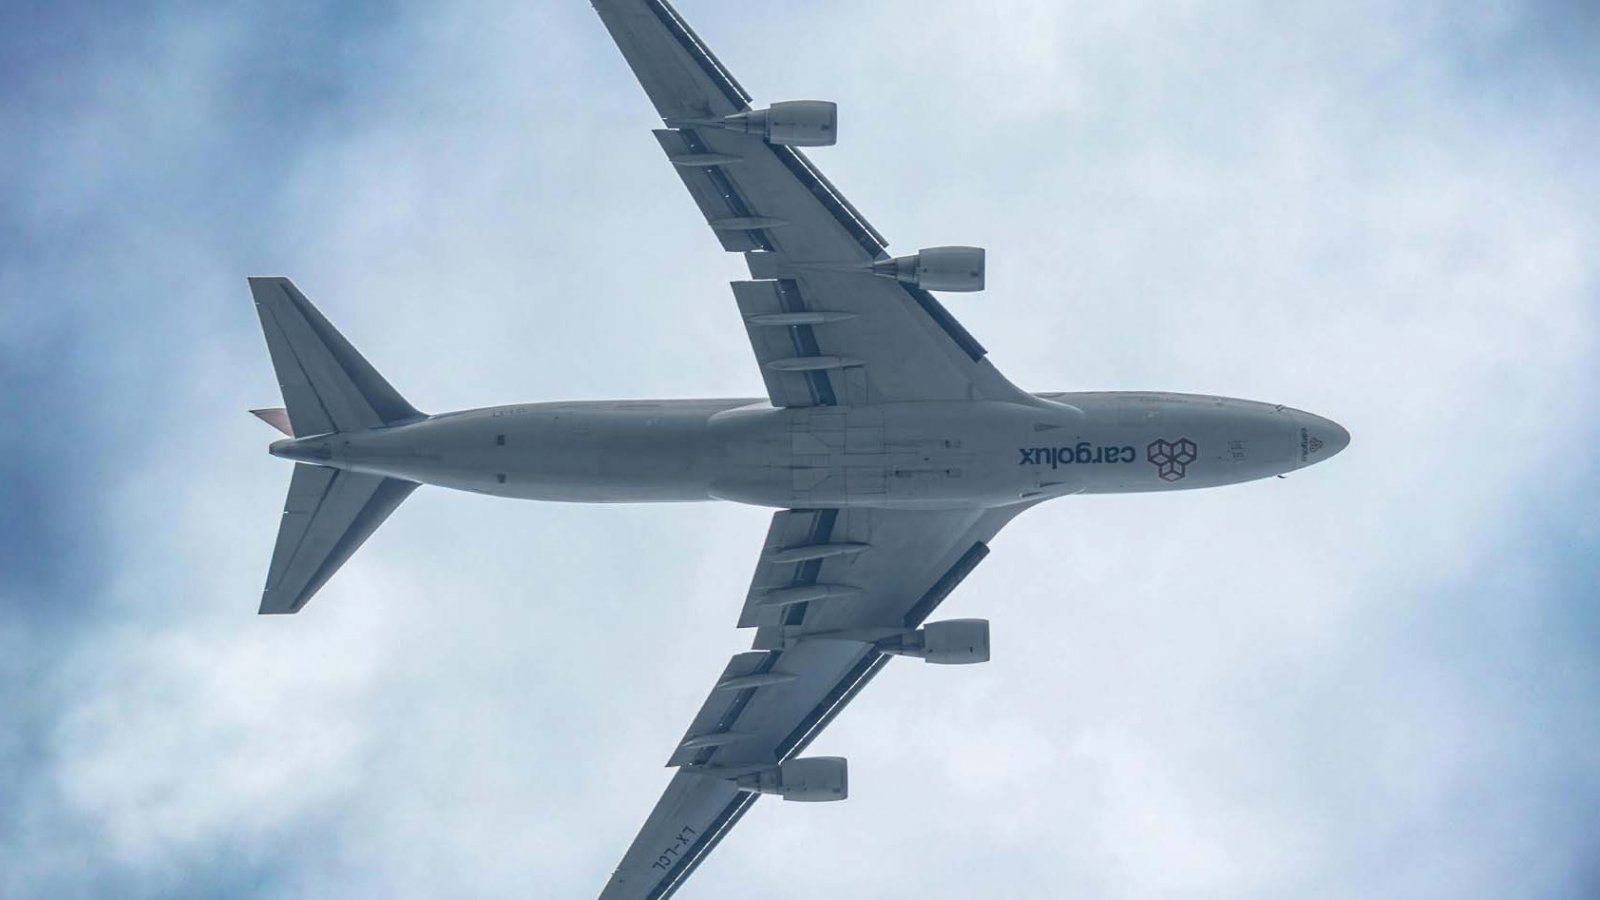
(1377, 678)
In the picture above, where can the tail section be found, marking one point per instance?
(327, 388)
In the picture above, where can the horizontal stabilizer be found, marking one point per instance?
(329, 514)
(327, 386)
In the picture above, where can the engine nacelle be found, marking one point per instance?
(937, 269)
(790, 123)
(954, 642)
(812, 779)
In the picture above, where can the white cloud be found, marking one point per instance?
(1217, 694)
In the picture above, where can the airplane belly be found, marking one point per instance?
(920, 455)
(587, 452)
(836, 457)
(638, 452)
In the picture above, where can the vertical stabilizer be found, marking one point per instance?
(327, 386)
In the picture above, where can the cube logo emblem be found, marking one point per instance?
(1172, 458)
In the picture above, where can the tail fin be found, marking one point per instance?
(327, 388)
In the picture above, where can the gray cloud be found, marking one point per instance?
(1373, 679)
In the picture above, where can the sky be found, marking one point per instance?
(1375, 678)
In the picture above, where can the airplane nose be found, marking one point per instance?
(1336, 439)
(1317, 438)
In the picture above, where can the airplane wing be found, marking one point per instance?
(826, 330)
(833, 594)
(833, 321)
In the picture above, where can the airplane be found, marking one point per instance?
(891, 448)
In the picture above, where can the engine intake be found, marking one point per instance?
(954, 642)
(790, 123)
(813, 779)
(937, 269)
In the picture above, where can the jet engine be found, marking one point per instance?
(937, 269)
(789, 123)
(810, 779)
(954, 642)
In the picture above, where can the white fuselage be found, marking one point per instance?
(909, 455)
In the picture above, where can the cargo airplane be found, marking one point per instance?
(889, 445)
